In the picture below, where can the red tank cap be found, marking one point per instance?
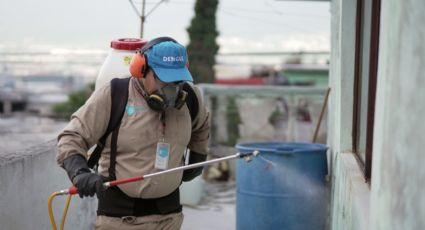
(128, 43)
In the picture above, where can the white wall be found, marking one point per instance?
(350, 193)
(398, 172)
(395, 198)
(27, 179)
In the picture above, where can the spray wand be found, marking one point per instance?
(73, 190)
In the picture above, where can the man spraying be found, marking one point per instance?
(162, 116)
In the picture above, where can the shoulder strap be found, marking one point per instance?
(119, 96)
(191, 101)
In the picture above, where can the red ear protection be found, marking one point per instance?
(138, 65)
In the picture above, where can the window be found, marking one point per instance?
(365, 76)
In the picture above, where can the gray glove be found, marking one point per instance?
(87, 183)
(190, 174)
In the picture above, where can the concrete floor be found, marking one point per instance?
(216, 209)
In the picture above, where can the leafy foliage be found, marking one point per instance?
(75, 101)
(233, 121)
(203, 47)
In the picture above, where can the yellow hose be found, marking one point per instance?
(65, 211)
(52, 217)
(49, 203)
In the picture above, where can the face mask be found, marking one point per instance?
(170, 96)
(169, 93)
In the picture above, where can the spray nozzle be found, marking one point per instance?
(249, 156)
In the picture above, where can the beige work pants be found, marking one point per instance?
(154, 222)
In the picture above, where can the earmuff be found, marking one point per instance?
(139, 62)
(156, 102)
(138, 66)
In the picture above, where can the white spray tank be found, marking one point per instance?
(117, 63)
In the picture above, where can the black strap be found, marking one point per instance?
(155, 42)
(116, 203)
(113, 157)
(191, 101)
(119, 96)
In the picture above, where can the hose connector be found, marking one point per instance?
(71, 191)
(249, 156)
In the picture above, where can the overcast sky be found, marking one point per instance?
(244, 25)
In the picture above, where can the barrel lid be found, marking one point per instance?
(278, 147)
(128, 43)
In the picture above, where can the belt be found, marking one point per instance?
(115, 203)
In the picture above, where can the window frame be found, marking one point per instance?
(365, 165)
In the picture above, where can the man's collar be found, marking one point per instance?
(139, 87)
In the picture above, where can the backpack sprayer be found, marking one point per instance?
(73, 190)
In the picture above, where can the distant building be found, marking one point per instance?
(11, 99)
(36, 93)
(289, 74)
(305, 74)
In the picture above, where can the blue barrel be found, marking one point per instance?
(283, 188)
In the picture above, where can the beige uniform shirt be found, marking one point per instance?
(139, 133)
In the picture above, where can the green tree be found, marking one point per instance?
(75, 101)
(203, 47)
(233, 121)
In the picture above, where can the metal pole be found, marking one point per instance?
(292, 118)
(325, 102)
(247, 156)
(191, 166)
(142, 18)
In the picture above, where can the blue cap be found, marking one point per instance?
(168, 61)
